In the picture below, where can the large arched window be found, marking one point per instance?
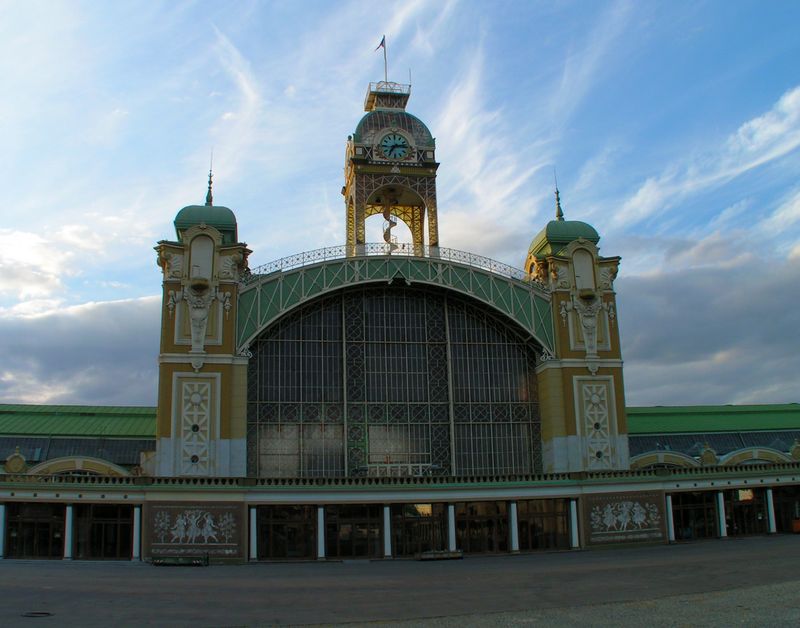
(390, 380)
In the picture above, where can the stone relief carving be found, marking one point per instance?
(587, 310)
(188, 529)
(558, 276)
(199, 304)
(596, 425)
(229, 267)
(195, 427)
(607, 276)
(539, 271)
(624, 516)
(174, 265)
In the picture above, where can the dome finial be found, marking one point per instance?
(209, 194)
(559, 213)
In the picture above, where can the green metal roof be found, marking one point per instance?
(106, 421)
(689, 419)
(558, 234)
(217, 216)
(140, 422)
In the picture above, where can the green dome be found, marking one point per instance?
(380, 119)
(558, 234)
(221, 218)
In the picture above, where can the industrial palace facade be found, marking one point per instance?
(386, 401)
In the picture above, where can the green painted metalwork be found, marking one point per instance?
(266, 297)
(78, 421)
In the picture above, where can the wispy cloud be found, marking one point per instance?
(756, 142)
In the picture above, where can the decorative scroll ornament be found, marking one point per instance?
(607, 276)
(229, 267)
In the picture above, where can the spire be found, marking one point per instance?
(209, 194)
(559, 213)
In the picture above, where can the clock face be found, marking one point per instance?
(394, 146)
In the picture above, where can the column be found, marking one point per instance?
(253, 533)
(136, 553)
(514, 528)
(68, 521)
(670, 521)
(2, 531)
(771, 512)
(451, 527)
(574, 539)
(320, 532)
(723, 529)
(387, 531)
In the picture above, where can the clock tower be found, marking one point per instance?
(390, 169)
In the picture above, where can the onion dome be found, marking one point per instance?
(217, 216)
(559, 233)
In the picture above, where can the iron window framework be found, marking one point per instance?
(392, 381)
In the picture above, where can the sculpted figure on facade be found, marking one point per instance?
(199, 304)
(587, 311)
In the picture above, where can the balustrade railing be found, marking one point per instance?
(383, 249)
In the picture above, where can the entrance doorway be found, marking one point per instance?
(482, 527)
(418, 528)
(694, 515)
(353, 530)
(543, 524)
(745, 511)
(104, 531)
(288, 532)
(35, 530)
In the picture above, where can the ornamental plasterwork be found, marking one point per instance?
(195, 430)
(229, 267)
(559, 277)
(199, 305)
(596, 424)
(607, 276)
(587, 311)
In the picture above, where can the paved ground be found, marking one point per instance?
(715, 583)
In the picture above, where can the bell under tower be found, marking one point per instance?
(390, 169)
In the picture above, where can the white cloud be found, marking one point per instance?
(765, 138)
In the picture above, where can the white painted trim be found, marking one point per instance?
(253, 533)
(513, 526)
(208, 358)
(69, 521)
(771, 512)
(451, 527)
(723, 528)
(136, 553)
(320, 532)
(387, 531)
(670, 520)
(577, 363)
(574, 537)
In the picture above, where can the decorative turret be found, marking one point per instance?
(582, 401)
(201, 415)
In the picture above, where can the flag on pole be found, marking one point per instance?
(382, 44)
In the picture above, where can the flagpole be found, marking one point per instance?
(385, 64)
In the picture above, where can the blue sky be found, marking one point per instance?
(674, 127)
